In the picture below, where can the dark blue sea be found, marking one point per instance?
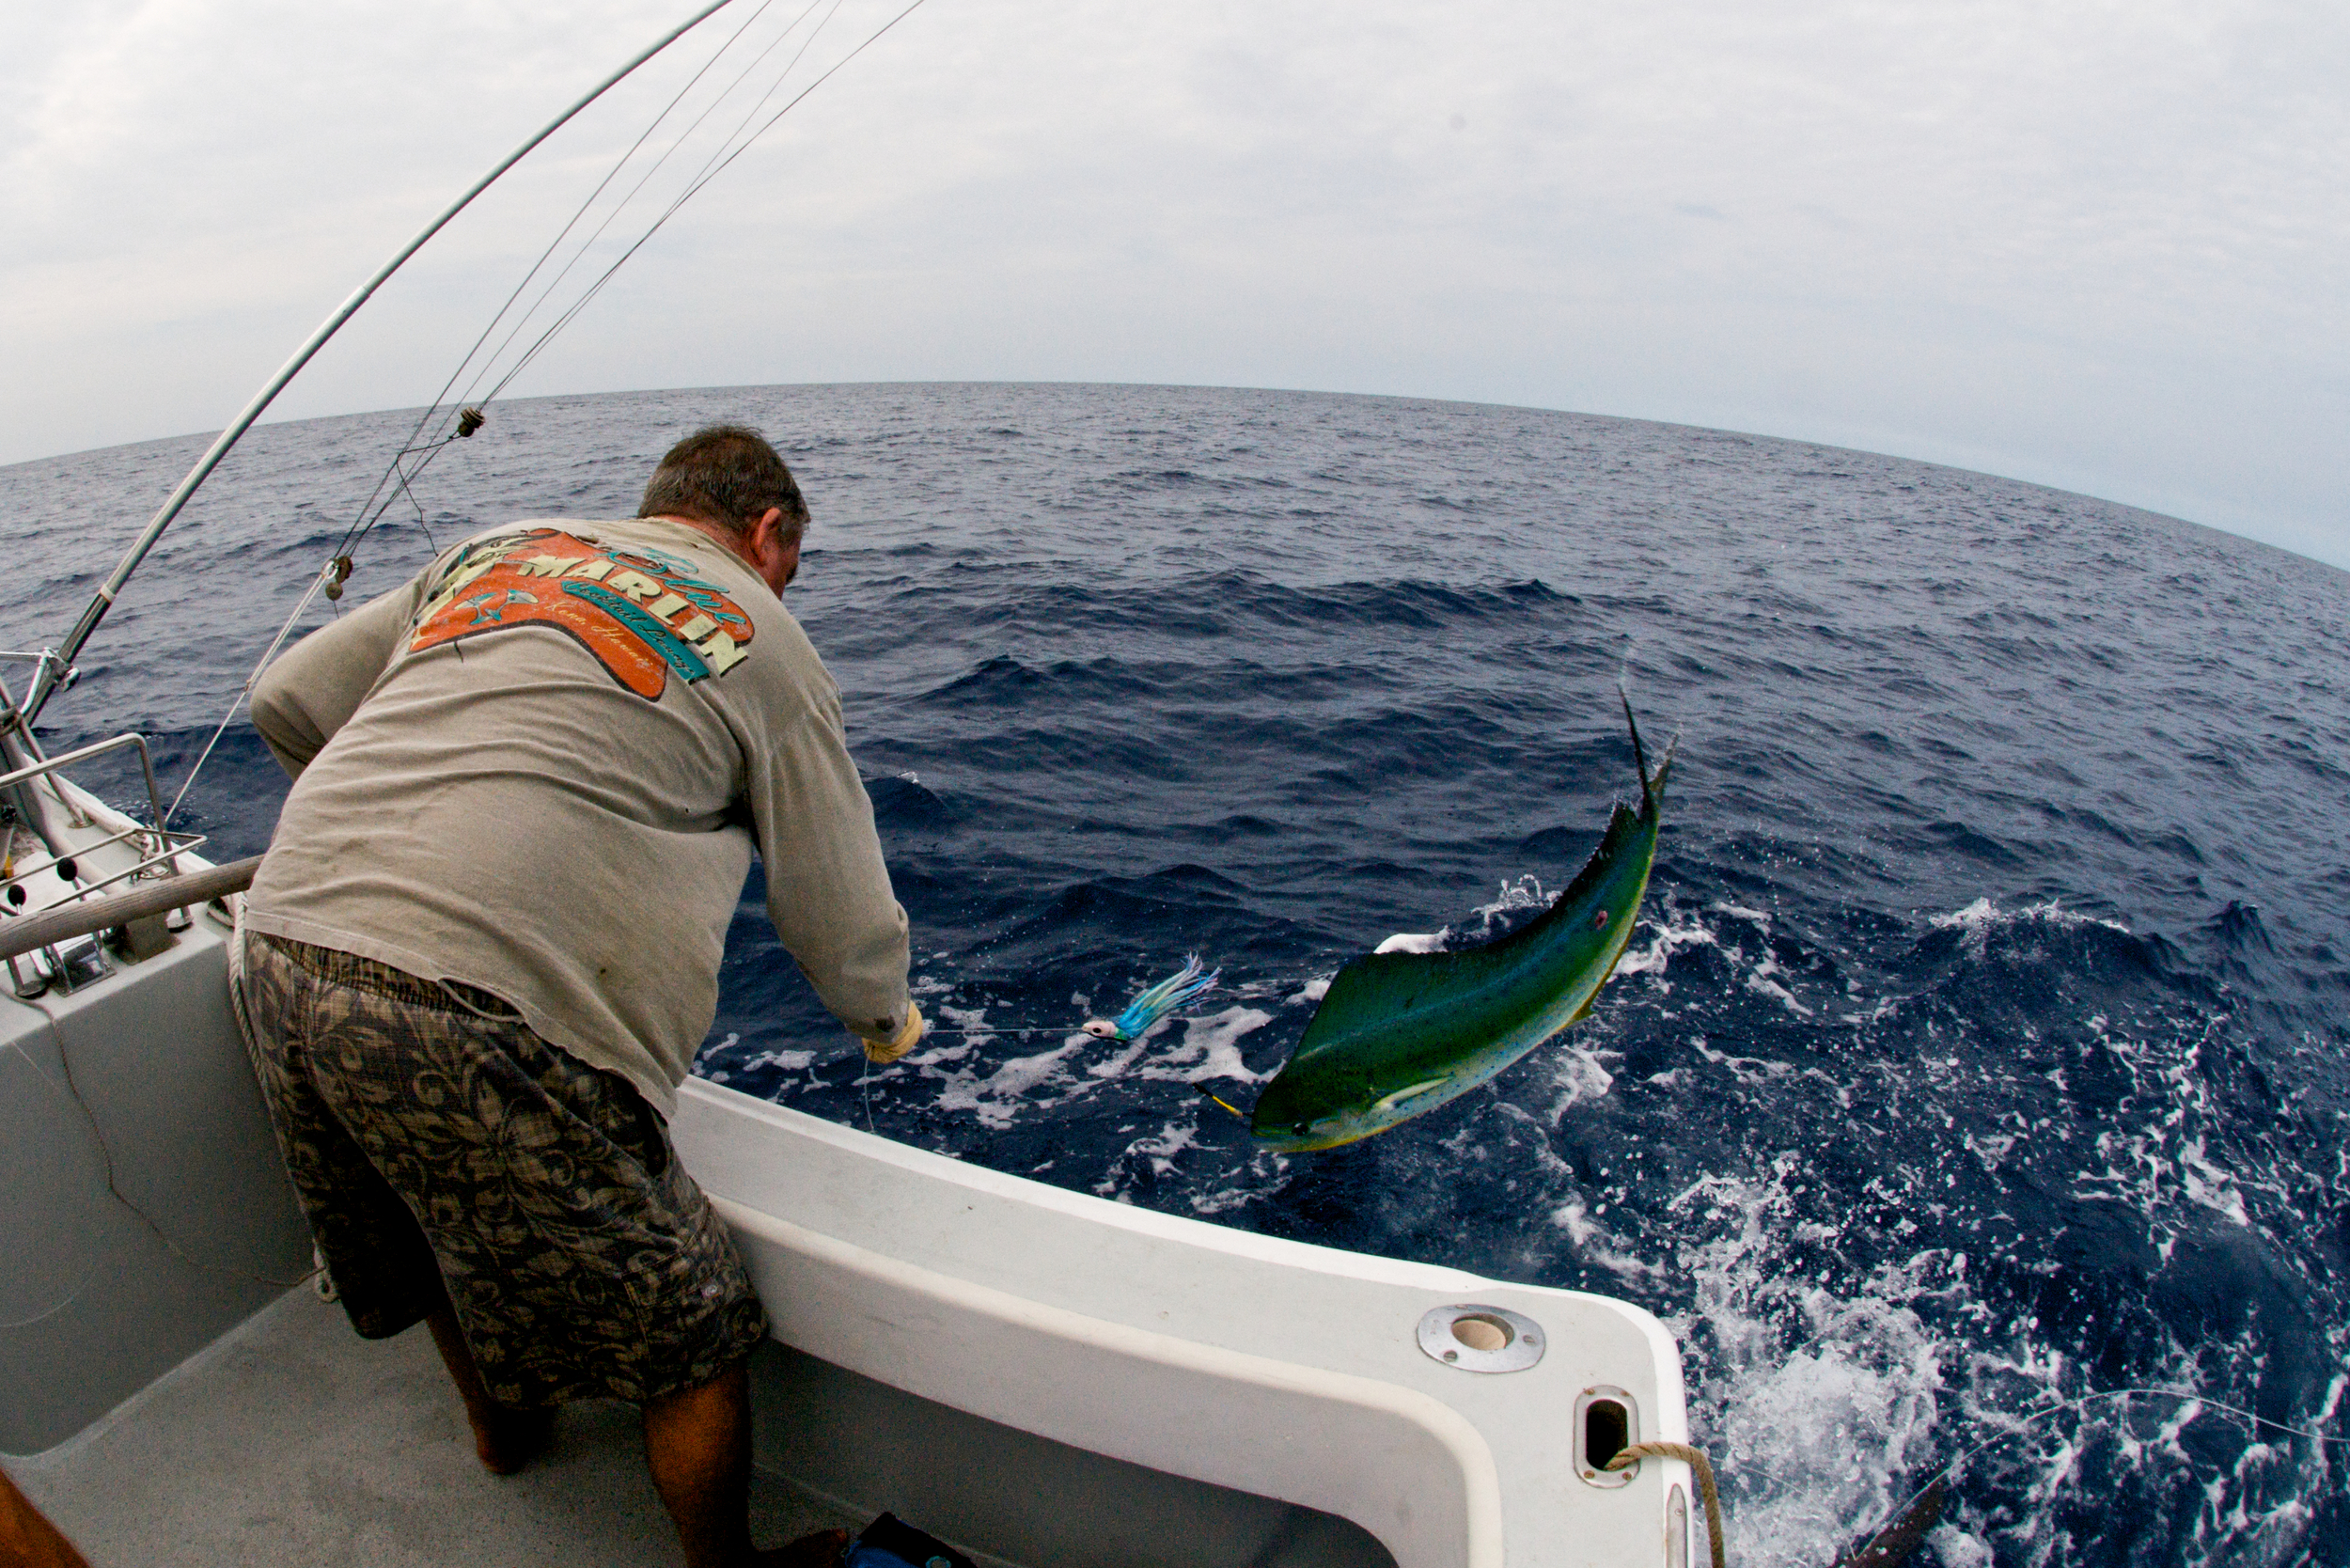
(1983, 1045)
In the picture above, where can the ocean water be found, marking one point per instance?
(1982, 1047)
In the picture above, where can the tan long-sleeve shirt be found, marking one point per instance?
(541, 767)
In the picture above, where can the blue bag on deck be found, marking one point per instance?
(890, 1541)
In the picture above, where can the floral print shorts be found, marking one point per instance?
(437, 1144)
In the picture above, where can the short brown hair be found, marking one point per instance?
(725, 475)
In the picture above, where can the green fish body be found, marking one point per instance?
(1399, 1034)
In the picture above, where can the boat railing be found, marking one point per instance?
(158, 847)
(27, 932)
(60, 935)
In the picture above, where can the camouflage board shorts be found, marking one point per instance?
(437, 1143)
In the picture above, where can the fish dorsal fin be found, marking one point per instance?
(1651, 785)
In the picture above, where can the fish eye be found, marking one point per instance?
(1599, 921)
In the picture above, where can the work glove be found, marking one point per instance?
(881, 1052)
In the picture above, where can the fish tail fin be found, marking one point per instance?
(1651, 785)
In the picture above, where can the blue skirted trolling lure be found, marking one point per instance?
(1193, 980)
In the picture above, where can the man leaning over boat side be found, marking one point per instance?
(483, 948)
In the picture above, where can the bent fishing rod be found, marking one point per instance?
(55, 669)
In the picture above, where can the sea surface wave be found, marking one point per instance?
(1981, 1045)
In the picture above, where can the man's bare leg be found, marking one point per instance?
(504, 1439)
(27, 1539)
(697, 1443)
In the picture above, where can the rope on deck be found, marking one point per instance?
(1624, 1458)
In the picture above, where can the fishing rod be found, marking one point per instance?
(55, 669)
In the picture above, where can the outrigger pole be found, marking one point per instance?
(56, 665)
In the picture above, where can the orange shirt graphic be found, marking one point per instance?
(643, 615)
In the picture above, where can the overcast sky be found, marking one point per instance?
(2104, 246)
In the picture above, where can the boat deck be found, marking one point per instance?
(293, 1441)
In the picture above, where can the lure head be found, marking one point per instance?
(1102, 1028)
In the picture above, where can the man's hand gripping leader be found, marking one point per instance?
(483, 948)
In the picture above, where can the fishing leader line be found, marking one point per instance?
(465, 402)
(398, 475)
(691, 191)
(56, 670)
(694, 183)
(731, 148)
(2079, 1401)
(443, 398)
(470, 417)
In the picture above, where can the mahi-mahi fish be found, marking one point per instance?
(1399, 1034)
